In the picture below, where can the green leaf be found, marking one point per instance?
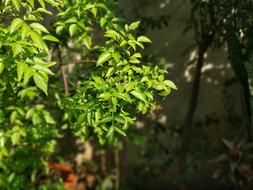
(36, 38)
(110, 71)
(132, 44)
(28, 74)
(16, 49)
(170, 84)
(15, 137)
(137, 55)
(134, 60)
(42, 3)
(1, 67)
(41, 81)
(16, 24)
(106, 119)
(32, 17)
(72, 29)
(43, 68)
(71, 20)
(15, 3)
(110, 132)
(138, 95)
(7, 2)
(89, 118)
(112, 34)
(42, 10)
(144, 39)
(134, 25)
(120, 131)
(94, 11)
(48, 118)
(50, 38)
(25, 31)
(39, 27)
(103, 58)
(129, 86)
(87, 41)
(102, 21)
(59, 29)
(21, 67)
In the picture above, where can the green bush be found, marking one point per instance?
(37, 42)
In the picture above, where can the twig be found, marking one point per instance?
(78, 62)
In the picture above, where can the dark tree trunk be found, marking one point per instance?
(203, 47)
(237, 61)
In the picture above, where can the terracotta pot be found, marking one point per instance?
(65, 169)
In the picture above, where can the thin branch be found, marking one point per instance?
(78, 62)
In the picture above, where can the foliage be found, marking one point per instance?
(103, 102)
(234, 165)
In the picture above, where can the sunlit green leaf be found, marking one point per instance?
(103, 58)
(21, 67)
(143, 39)
(1, 67)
(39, 26)
(16, 24)
(41, 81)
(50, 38)
(170, 84)
(28, 74)
(134, 25)
(138, 95)
(72, 29)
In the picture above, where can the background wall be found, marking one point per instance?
(174, 48)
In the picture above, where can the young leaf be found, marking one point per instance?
(43, 68)
(170, 84)
(144, 39)
(138, 95)
(1, 67)
(134, 25)
(42, 3)
(42, 10)
(103, 58)
(87, 41)
(72, 29)
(25, 30)
(120, 131)
(16, 49)
(59, 29)
(39, 27)
(41, 80)
(28, 74)
(21, 67)
(50, 38)
(16, 4)
(36, 38)
(16, 24)
(110, 132)
(110, 72)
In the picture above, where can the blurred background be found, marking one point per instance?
(199, 138)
